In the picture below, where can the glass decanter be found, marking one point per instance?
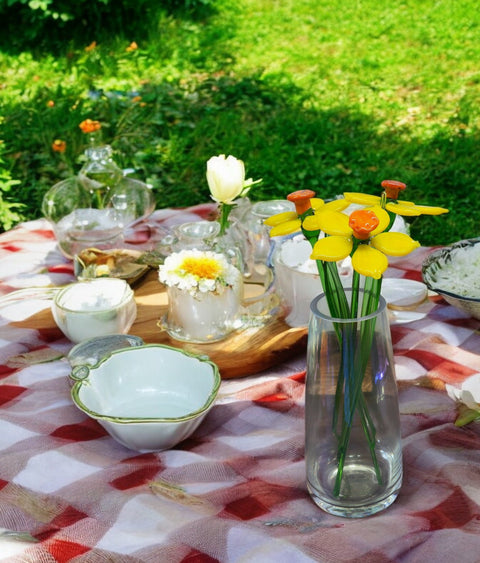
(94, 208)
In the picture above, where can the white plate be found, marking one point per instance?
(406, 300)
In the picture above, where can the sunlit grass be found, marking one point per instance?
(328, 95)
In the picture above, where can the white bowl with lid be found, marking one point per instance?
(93, 308)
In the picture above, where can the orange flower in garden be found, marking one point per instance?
(59, 146)
(90, 126)
(50, 103)
(132, 47)
(91, 47)
(137, 99)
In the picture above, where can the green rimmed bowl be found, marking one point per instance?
(148, 398)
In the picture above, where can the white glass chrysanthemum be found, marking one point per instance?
(198, 271)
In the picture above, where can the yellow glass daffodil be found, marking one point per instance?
(288, 222)
(363, 234)
(410, 209)
(405, 208)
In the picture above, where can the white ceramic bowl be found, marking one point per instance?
(148, 398)
(453, 271)
(93, 308)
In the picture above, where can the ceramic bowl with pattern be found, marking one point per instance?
(454, 273)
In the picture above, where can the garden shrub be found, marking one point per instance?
(49, 23)
(10, 212)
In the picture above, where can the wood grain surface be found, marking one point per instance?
(243, 353)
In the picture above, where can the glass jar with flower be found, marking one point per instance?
(204, 295)
(229, 188)
(353, 449)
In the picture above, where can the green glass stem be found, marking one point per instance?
(225, 209)
(349, 386)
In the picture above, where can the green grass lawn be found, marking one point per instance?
(332, 96)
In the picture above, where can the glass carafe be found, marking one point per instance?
(94, 208)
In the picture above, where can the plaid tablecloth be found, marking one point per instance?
(235, 491)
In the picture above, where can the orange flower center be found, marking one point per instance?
(393, 188)
(363, 222)
(205, 268)
(301, 199)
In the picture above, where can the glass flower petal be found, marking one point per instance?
(316, 203)
(410, 209)
(368, 261)
(286, 228)
(333, 222)
(362, 199)
(280, 218)
(394, 244)
(337, 204)
(383, 217)
(311, 223)
(332, 249)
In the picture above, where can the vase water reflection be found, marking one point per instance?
(353, 449)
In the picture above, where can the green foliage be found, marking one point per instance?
(47, 24)
(308, 98)
(10, 211)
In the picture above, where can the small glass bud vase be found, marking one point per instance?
(99, 174)
(204, 293)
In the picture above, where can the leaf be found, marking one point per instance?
(466, 415)
(35, 357)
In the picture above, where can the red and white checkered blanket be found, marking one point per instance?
(235, 491)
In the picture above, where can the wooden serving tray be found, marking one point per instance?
(243, 353)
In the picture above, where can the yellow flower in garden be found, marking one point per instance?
(362, 236)
(90, 126)
(59, 146)
(132, 47)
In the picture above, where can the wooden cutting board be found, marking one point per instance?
(244, 352)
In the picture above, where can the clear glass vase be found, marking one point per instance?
(353, 451)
